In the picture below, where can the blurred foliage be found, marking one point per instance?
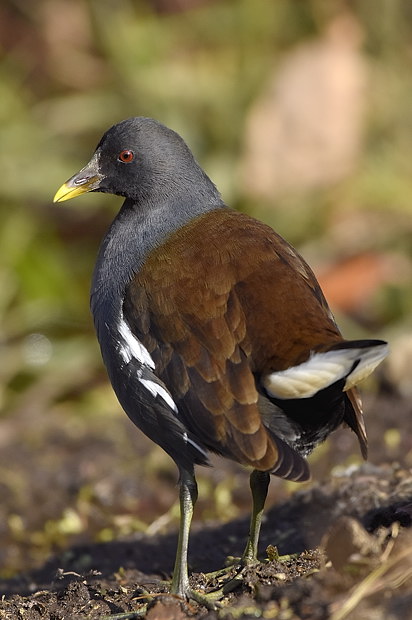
(71, 68)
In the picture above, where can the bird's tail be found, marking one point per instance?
(352, 360)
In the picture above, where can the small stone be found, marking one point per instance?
(346, 540)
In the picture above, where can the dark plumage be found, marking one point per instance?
(214, 331)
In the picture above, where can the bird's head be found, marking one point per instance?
(136, 158)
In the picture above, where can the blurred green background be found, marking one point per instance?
(299, 110)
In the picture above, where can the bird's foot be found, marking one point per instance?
(216, 585)
(211, 588)
(210, 600)
(232, 576)
(221, 583)
(231, 563)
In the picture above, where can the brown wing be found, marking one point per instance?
(216, 286)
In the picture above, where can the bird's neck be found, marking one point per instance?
(134, 233)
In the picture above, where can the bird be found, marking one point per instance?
(214, 331)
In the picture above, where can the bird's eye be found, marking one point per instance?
(126, 156)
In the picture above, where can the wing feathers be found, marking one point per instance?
(290, 465)
(214, 329)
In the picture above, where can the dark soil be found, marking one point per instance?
(351, 535)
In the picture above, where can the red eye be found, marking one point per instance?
(126, 156)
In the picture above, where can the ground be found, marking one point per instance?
(350, 531)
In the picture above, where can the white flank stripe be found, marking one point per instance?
(187, 439)
(323, 369)
(131, 347)
(158, 390)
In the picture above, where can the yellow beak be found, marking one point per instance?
(68, 191)
(87, 180)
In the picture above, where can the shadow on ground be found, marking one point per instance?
(367, 512)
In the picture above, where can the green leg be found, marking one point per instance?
(180, 582)
(188, 497)
(259, 484)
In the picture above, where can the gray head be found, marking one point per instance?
(140, 159)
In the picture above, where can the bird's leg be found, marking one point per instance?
(259, 484)
(188, 497)
(180, 581)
